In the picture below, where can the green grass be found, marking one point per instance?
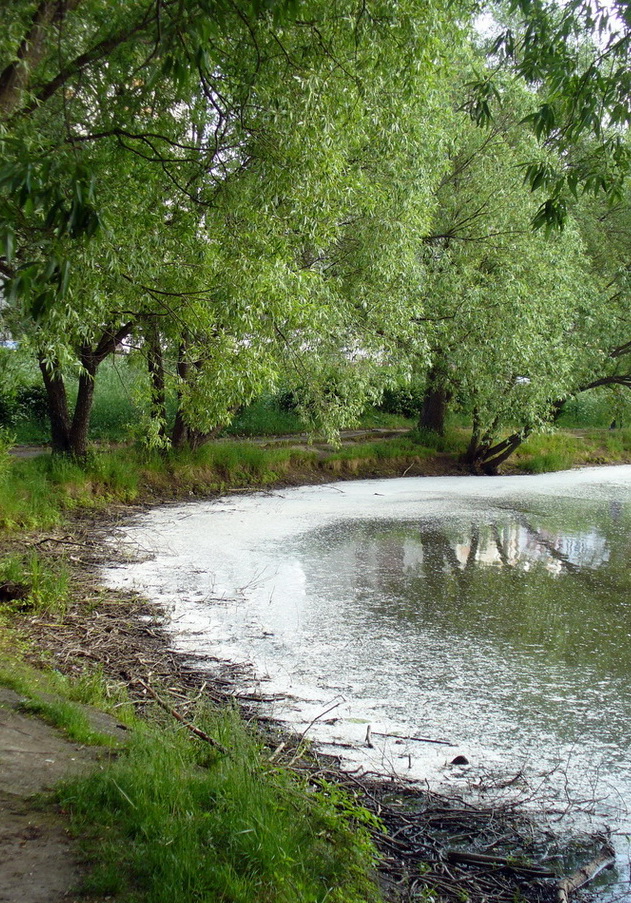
(617, 443)
(562, 451)
(548, 452)
(172, 821)
(69, 718)
(45, 583)
(265, 417)
(596, 409)
(59, 699)
(382, 450)
(115, 411)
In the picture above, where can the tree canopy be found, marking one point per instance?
(298, 194)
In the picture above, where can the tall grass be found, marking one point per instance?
(173, 821)
(44, 584)
(561, 451)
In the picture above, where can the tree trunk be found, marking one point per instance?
(434, 410)
(70, 436)
(183, 434)
(474, 449)
(83, 407)
(435, 402)
(155, 365)
(180, 432)
(58, 413)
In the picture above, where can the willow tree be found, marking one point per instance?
(227, 170)
(576, 57)
(502, 303)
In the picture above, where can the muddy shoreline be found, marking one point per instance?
(434, 844)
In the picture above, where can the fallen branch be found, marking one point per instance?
(415, 739)
(499, 862)
(585, 874)
(187, 724)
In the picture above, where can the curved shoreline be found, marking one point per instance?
(123, 635)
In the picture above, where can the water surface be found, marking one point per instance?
(492, 613)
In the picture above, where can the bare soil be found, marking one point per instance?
(39, 862)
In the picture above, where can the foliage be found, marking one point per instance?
(499, 300)
(576, 57)
(293, 195)
(277, 200)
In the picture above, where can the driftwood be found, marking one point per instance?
(498, 862)
(585, 874)
(187, 724)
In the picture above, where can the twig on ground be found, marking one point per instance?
(187, 724)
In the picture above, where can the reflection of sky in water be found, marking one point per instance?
(493, 613)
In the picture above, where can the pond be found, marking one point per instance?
(492, 614)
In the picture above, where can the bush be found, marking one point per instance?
(404, 400)
(32, 403)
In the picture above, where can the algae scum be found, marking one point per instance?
(491, 614)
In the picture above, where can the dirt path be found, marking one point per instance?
(38, 861)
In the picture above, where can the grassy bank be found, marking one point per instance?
(202, 810)
(175, 816)
(37, 492)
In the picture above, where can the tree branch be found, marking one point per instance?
(15, 77)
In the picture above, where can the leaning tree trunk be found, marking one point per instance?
(484, 457)
(80, 427)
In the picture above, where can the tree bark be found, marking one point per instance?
(80, 427)
(58, 412)
(435, 402)
(155, 365)
(434, 410)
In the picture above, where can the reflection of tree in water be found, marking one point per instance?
(505, 576)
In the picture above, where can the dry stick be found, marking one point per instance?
(585, 874)
(321, 715)
(498, 861)
(416, 739)
(187, 724)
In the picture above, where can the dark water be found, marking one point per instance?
(491, 613)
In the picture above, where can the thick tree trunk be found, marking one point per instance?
(58, 412)
(80, 427)
(435, 402)
(434, 410)
(69, 436)
(482, 457)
